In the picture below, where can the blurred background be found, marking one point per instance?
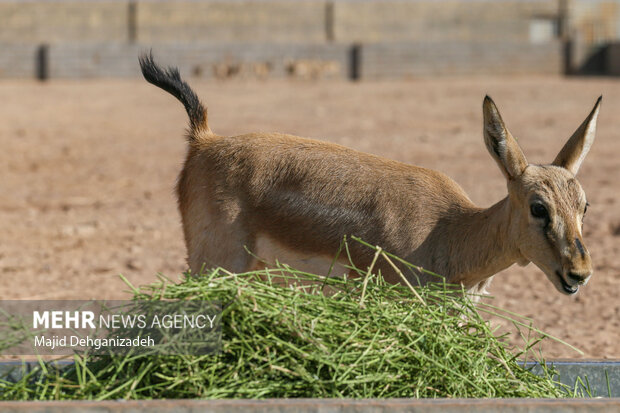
(365, 39)
(89, 157)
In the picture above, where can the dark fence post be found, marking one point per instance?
(132, 23)
(355, 62)
(329, 21)
(42, 62)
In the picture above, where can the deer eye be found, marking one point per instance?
(585, 209)
(538, 210)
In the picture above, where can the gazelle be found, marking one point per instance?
(293, 199)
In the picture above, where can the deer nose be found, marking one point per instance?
(578, 278)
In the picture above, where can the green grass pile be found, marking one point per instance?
(314, 338)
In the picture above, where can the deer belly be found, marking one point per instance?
(269, 252)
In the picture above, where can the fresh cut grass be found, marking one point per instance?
(289, 334)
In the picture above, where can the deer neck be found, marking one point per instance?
(481, 243)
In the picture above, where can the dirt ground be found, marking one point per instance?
(88, 169)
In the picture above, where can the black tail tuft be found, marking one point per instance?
(170, 81)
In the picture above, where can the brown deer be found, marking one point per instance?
(293, 199)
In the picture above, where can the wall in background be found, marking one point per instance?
(304, 38)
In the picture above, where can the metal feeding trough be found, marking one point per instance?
(598, 378)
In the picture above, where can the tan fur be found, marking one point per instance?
(292, 200)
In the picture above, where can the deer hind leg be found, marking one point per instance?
(215, 236)
(220, 245)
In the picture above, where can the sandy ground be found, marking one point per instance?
(88, 168)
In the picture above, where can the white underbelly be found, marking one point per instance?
(268, 253)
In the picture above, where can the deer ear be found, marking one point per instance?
(575, 150)
(500, 143)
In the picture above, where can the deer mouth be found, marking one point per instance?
(569, 289)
